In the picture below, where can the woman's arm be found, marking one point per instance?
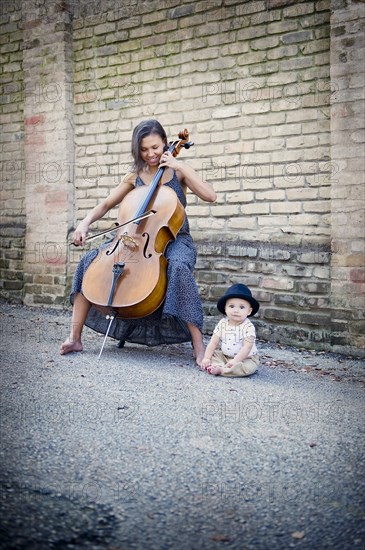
(189, 177)
(114, 198)
(194, 182)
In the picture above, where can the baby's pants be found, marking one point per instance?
(245, 368)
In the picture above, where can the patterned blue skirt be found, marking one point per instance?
(182, 303)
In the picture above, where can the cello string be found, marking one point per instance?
(171, 147)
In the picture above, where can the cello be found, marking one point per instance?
(128, 278)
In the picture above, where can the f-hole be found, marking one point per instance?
(147, 256)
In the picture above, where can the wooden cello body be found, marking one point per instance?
(129, 276)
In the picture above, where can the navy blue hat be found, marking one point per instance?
(238, 291)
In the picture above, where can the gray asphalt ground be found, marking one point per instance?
(141, 450)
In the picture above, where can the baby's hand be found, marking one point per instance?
(205, 363)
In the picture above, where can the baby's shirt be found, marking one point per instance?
(232, 336)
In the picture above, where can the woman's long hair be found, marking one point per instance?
(142, 130)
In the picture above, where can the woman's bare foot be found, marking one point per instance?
(199, 358)
(198, 343)
(198, 354)
(69, 345)
(215, 370)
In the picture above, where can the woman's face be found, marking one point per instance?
(151, 149)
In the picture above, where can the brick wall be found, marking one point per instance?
(348, 185)
(261, 95)
(48, 150)
(12, 224)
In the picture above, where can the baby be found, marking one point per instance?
(235, 334)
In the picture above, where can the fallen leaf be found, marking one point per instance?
(298, 534)
(220, 538)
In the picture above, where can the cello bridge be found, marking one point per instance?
(127, 240)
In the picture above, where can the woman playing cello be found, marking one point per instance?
(180, 317)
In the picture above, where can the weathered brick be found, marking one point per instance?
(181, 11)
(282, 51)
(294, 37)
(314, 319)
(274, 314)
(129, 23)
(13, 285)
(274, 253)
(298, 9)
(279, 27)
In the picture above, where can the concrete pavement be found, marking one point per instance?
(141, 450)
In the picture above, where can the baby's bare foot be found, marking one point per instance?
(68, 346)
(215, 370)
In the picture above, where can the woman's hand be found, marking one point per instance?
(167, 159)
(80, 234)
